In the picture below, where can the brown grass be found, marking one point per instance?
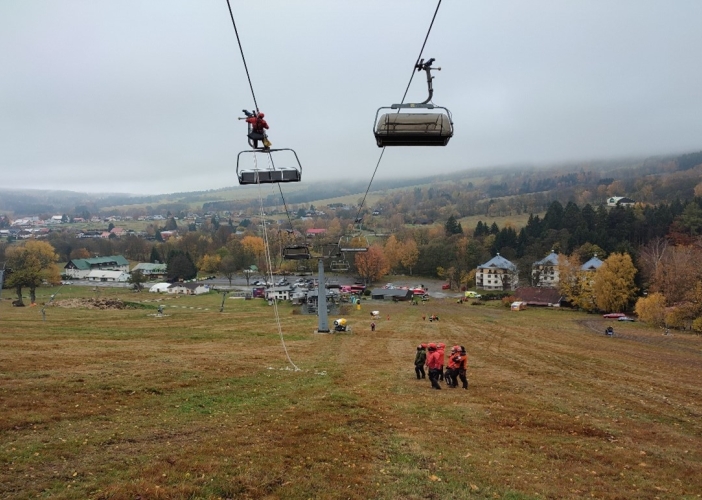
(200, 404)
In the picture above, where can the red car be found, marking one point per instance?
(613, 315)
(446, 286)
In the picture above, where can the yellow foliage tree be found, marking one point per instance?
(614, 285)
(651, 309)
(409, 254)
(392, 252)
(210, 263)
(372, 264)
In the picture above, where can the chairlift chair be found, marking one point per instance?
(339, 266)
(271, 174)
(433, 128)
(353, 243)
(296, 252)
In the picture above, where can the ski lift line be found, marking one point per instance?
(421, 51)
(248, 76)
(269, 264)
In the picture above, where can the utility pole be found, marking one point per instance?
(2, 275)
(323, 320)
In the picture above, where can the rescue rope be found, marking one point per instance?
(421, 51)
(269, 262)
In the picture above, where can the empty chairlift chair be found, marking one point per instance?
(431, 128)
(271, 174)
(296, 252)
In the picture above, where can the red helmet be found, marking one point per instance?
(261, 115)
(432, 346)
(424, 346)
(456, 348)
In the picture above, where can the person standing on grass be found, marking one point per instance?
(451, 374)
(419, 360)
(434, 365)
(440, 348)
(462, 368)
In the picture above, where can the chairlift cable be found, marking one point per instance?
(253, 94)
(421, 51)
(243, 58)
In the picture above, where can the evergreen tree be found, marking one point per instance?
(453, 226)
(155, 255)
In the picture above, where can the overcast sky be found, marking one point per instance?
(142, 96)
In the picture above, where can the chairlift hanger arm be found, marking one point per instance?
(426, 66)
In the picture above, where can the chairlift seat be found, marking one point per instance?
(413, 129)
(296, 252)
(272, 174)
(269, 176)
(340, 266)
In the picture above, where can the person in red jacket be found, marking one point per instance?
(462, 367)
(451, 374)
(440, 348)
(434, 361)
(257, 128)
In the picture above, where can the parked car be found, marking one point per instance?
(65, 282)
(625, 318)
(446, 286)
(613, 315)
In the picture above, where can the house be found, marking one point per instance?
(592, 265)
(539, 296)
(106, 275)
(167, 235)
(80, 268)
(315, 232)
(544, 272)
(151, 271)
(279, 293)
(497, 274)
(518, 306)
(620, 201)
(189, 288)
(118, 231)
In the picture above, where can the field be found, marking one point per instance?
(124, 404)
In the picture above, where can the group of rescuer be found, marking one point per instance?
(432, 356)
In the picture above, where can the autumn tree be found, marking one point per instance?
(31, 263)
(392, 252)
(651, 309)
(409, 254)
(614, 285)
(255, 246)
(372, 264)
(210, 263)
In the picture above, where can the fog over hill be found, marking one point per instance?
(653, 179)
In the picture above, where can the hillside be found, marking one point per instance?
(495, 191)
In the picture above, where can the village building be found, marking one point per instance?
(539, 296)
(544, 273)
(80, 268)
(497, 274)
(592, 265)
(189, 288)
(151, 270)
(620, 201)
(103, 275)
(279, 293)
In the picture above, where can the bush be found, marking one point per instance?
(507, 301)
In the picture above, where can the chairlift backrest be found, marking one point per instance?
(296, 252)
(271, 174)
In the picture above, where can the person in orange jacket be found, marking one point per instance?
(451, 374)
(434, 361)
(440, 348)
(462, 367)
(258, 128)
